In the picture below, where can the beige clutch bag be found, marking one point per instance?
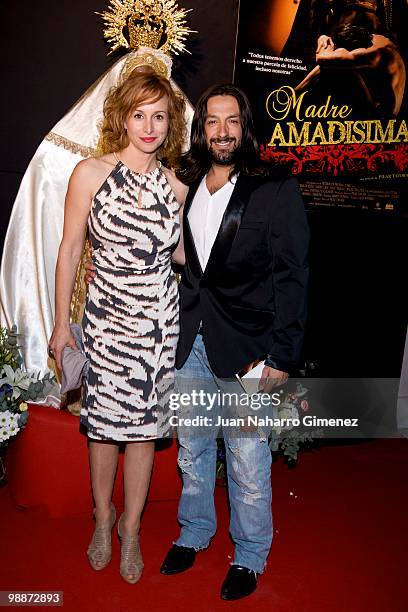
(74, 362)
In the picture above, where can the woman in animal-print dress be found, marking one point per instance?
(131, 204)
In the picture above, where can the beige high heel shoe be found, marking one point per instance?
(100, 549)
(131, 562)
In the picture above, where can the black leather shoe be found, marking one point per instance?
(239, 582)
(178, 559)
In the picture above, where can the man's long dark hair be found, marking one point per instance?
(197, 161)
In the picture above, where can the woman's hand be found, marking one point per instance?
(90, 271)
(61, 337)
(180, 191)
(179, 255)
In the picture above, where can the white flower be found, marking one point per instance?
(301, 391)
(14, 428)
(17, 379)
(8, 425)
(4, 434)
(8, 432)
(5, 418)
(288, 413)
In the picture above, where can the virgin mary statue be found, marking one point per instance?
(36, 223)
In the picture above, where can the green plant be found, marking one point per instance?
(17, 386)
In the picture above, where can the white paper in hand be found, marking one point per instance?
(250, 381)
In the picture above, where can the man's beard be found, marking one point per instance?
(224, 158)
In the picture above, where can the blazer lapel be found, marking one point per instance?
(230, 223)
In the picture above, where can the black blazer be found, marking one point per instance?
(251, 298)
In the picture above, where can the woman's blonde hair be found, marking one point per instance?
(143, 85)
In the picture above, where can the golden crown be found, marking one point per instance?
(158, 24)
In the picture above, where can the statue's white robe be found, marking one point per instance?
(27, 282)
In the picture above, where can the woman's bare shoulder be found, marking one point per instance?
(180, 190)
(94, 170)
(97, 164)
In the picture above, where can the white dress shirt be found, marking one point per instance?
(205, 216)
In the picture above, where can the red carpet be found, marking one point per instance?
(341, 543)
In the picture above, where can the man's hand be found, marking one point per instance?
(324, 42)
(90, 271)
(271, 378)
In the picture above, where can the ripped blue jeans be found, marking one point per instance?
(248, 460)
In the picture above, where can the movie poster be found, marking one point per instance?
(327, 82)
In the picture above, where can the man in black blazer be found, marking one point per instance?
(242, 298)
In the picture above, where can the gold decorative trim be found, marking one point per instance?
(159, 61)
(70, 145)
(79, 293)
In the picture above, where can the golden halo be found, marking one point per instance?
(147, 22)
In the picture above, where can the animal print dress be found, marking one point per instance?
(130, 324)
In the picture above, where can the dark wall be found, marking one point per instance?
(357, 294)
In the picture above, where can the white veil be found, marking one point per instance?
(36, 223)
